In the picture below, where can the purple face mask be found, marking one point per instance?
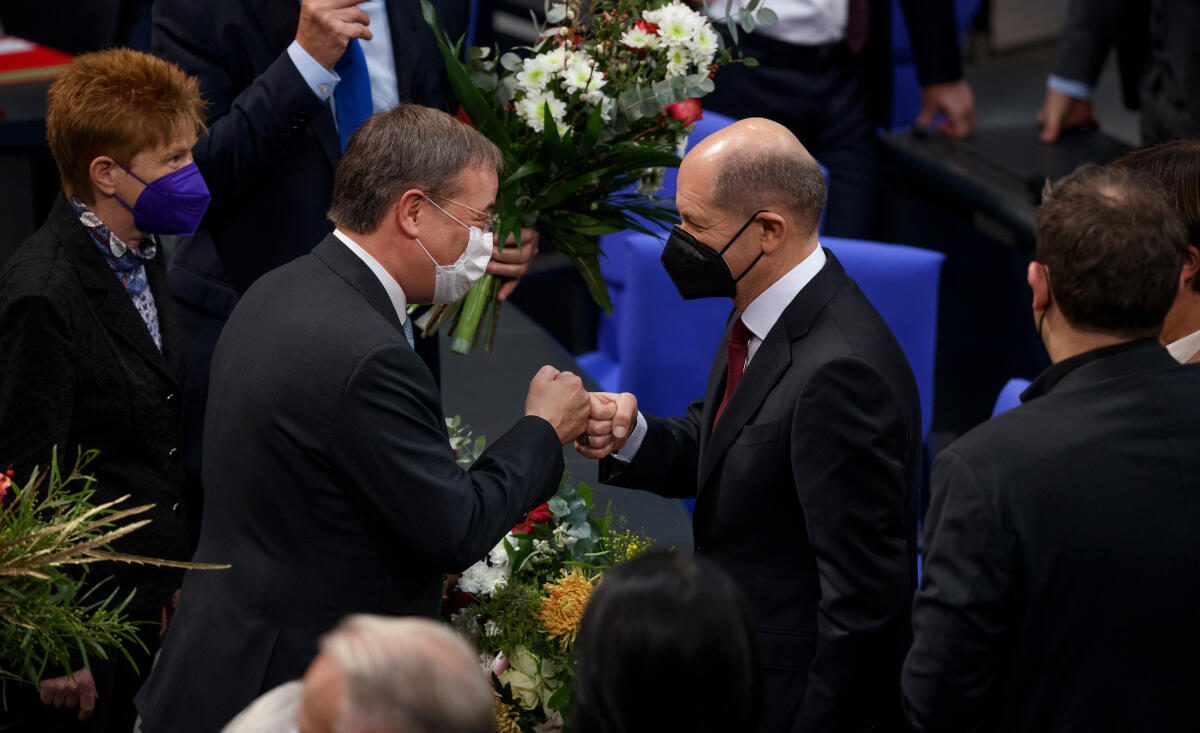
(174, 204)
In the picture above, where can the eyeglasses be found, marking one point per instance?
(491, 219)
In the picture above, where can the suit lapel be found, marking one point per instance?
(353, 270)
(108, 297)
(765, 370)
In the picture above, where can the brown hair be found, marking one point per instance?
(117, 103)
(748, 181)
(406, 147)
(1113, 247)
(1177, 165)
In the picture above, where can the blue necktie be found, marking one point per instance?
(406, 327)
(353, 94)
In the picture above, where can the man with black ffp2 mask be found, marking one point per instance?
(802, 455)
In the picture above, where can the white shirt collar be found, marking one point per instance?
(762, 313)
(1185, 348)
(394, 292)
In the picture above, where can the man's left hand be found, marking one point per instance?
(513, 262)
(955, 101)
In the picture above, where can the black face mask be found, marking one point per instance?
(699, 271)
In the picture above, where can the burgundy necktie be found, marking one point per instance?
(739, 347)
(857, 22)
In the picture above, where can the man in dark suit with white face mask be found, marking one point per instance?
(802, 454)
(332, 487)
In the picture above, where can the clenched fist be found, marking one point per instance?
(560, 399)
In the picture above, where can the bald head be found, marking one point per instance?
(758, 164)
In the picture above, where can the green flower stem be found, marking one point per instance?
(474, 303)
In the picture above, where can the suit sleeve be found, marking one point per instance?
(961, 610)
(934, 35)
(391, 447)
(248, 125)
(37, 384)
(850, 449)
(1087, 37)
(667, 461)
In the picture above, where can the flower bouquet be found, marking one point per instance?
(522, 604)
(601, 102)
(49, 614)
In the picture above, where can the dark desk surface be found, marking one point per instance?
(999, 172)
(488, 391)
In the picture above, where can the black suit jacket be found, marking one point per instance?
(803, 495)
(331, 488)
(272, 145)
(1062, 567)
(78, 368)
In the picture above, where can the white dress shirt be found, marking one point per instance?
(1185, 348)
(381, 63)
(394, 292)
(760, 317)
(801, 22)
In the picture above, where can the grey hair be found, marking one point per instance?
(755, 179)
(406, 147)
(408, 675)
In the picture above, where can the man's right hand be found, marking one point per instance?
(612, 419)
(77, 691)
(1062, 112)
(560, 399)
(326, 27)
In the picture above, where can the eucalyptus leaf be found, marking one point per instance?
(746, 20)
(556, 14)
(767, 17)
(511, 62)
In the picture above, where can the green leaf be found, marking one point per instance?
(561, 697)
(746, 20)
(750, 62)
(591, 133)
(483, 80)
(511, 62)
(731, 26)
(767, 17)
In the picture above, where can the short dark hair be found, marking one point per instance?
(1177, 164)
(406, 147)
(1113, 246)
(666, 643)
(751, 180)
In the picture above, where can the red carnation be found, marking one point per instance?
(647, 26)
(537, 515)
(687, 111)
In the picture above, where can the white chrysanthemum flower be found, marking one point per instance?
(639, 39)
(531, 109)
(650, 181)
(678, 61)
(533, 77)
(581, 76)
(553, 61)
(677, 24)
(704, 43)
(499, 556)
(482, 579)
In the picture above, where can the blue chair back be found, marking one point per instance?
(1010, 395)
(902, 283)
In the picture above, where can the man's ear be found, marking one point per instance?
(1191, 265)
(1039, 282)
(774, 230)
(408, 211)
(103, 172)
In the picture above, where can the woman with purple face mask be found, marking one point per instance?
(90, 348)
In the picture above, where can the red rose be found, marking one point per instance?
(538, 515)
(650, 28)
(687, 111)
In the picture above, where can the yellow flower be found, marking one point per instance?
(506, 719)
(562, 610)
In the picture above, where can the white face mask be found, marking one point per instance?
(451, 282)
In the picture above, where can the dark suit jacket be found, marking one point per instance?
(78, 368)
(1095, 27)
(1062, 567)
(803, 496)
(331, 488)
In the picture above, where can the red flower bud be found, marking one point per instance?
(687, 111)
